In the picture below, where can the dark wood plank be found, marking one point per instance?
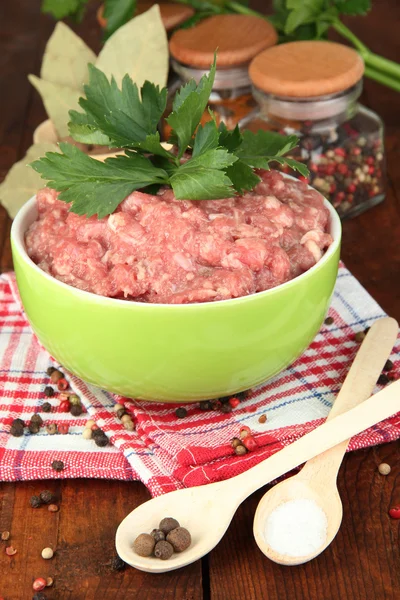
(362, 562)
(82, 534)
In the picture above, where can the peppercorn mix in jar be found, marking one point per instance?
(238, 39)
(311, 89)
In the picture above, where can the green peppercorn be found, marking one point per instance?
(179, 538)
(144, 544)
(163, 550)
(46, 407)
(168, 524)
(74, 399)
(76, 410)
(35, 501)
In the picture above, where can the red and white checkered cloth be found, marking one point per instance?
(165, 452)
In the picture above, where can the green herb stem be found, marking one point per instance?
(388, 67)
(349, 35)
(380, 77)
(242, 9)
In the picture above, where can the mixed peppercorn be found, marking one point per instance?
(162, 542)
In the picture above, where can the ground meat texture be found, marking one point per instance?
(162, 250)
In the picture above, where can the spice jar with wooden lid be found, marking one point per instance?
(238, 39)
(311, 89)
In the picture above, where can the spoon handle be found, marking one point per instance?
(357, 387)
(378, 407)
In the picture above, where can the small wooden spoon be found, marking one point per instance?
(317, 480)
(207, 510)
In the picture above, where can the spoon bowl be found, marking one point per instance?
(297, 488)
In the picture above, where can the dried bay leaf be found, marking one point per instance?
(139, 48)
(22, 182)
(58, 100)
(66, 58)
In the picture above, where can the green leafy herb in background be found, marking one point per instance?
(221, 164)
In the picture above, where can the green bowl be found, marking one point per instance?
(174, 353)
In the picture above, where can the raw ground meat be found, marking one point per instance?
(159, 249)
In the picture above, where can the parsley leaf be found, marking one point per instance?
(242, 176)
(259, 149)
(188, 109)
(117, 13)
(203, 177)
(92, 186)
(206, 138)
(119, 114)
(229, 139)
(63, 8)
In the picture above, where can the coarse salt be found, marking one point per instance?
(296, 528)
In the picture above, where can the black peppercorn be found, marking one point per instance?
(181, 412)
(46, 407)
(35, 501)
(366, 330)
(57, 465)
(33, 428)
(215, 404)
(226, 408)
(37, 419)
(117, 564)
(101, 440)
(49, 391)
(158, 535)
(205, 405)
(225, 399)
(76, 410)
(19, 421)
(120, 413)
(39, 596)
(388, 366)
(47, 497)
(383, 379)
(328, 321)
(17, 429)
(50, 370)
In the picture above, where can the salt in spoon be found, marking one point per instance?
(316, 481)
(206, 511)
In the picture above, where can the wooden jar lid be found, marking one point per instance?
(238, 38)
(309, 68)
(172, 13)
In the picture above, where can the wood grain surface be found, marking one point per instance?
(363, 563)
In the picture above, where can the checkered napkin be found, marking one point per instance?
(165, 452)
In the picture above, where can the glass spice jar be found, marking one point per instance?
(238, 39)
(311, 89)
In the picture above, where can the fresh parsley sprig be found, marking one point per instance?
(207, 162)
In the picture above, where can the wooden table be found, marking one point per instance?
(363, 563)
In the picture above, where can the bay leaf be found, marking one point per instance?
(22, 182)
(139, 48)
(58, 100)
(66, 58)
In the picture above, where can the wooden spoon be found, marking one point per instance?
(207, 510)
(317, 480)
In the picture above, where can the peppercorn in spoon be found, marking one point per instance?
(206, 511)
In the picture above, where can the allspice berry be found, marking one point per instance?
(46, 407)
(76, 410)
(47, 497)
(144, 544)
(179, 538)
(158, 535)
(168, 524)
(163, 550)
(35, 501)
(384, 469)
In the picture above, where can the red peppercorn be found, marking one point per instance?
(356, 150)
(250, 443)
(342, 169)
(340, 151)
(39, 584)
(395, 512)
(65, 406)
(62, 384)
(313, 167)
(340, 196)
(302, 178)
(330, 169)
(371, 170)
(351, 188)
(370, 160)
(234, 402)
(63, 428)
(332, 189)
(94, 427)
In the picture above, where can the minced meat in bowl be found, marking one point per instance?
(157, 249)
(201, 341)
